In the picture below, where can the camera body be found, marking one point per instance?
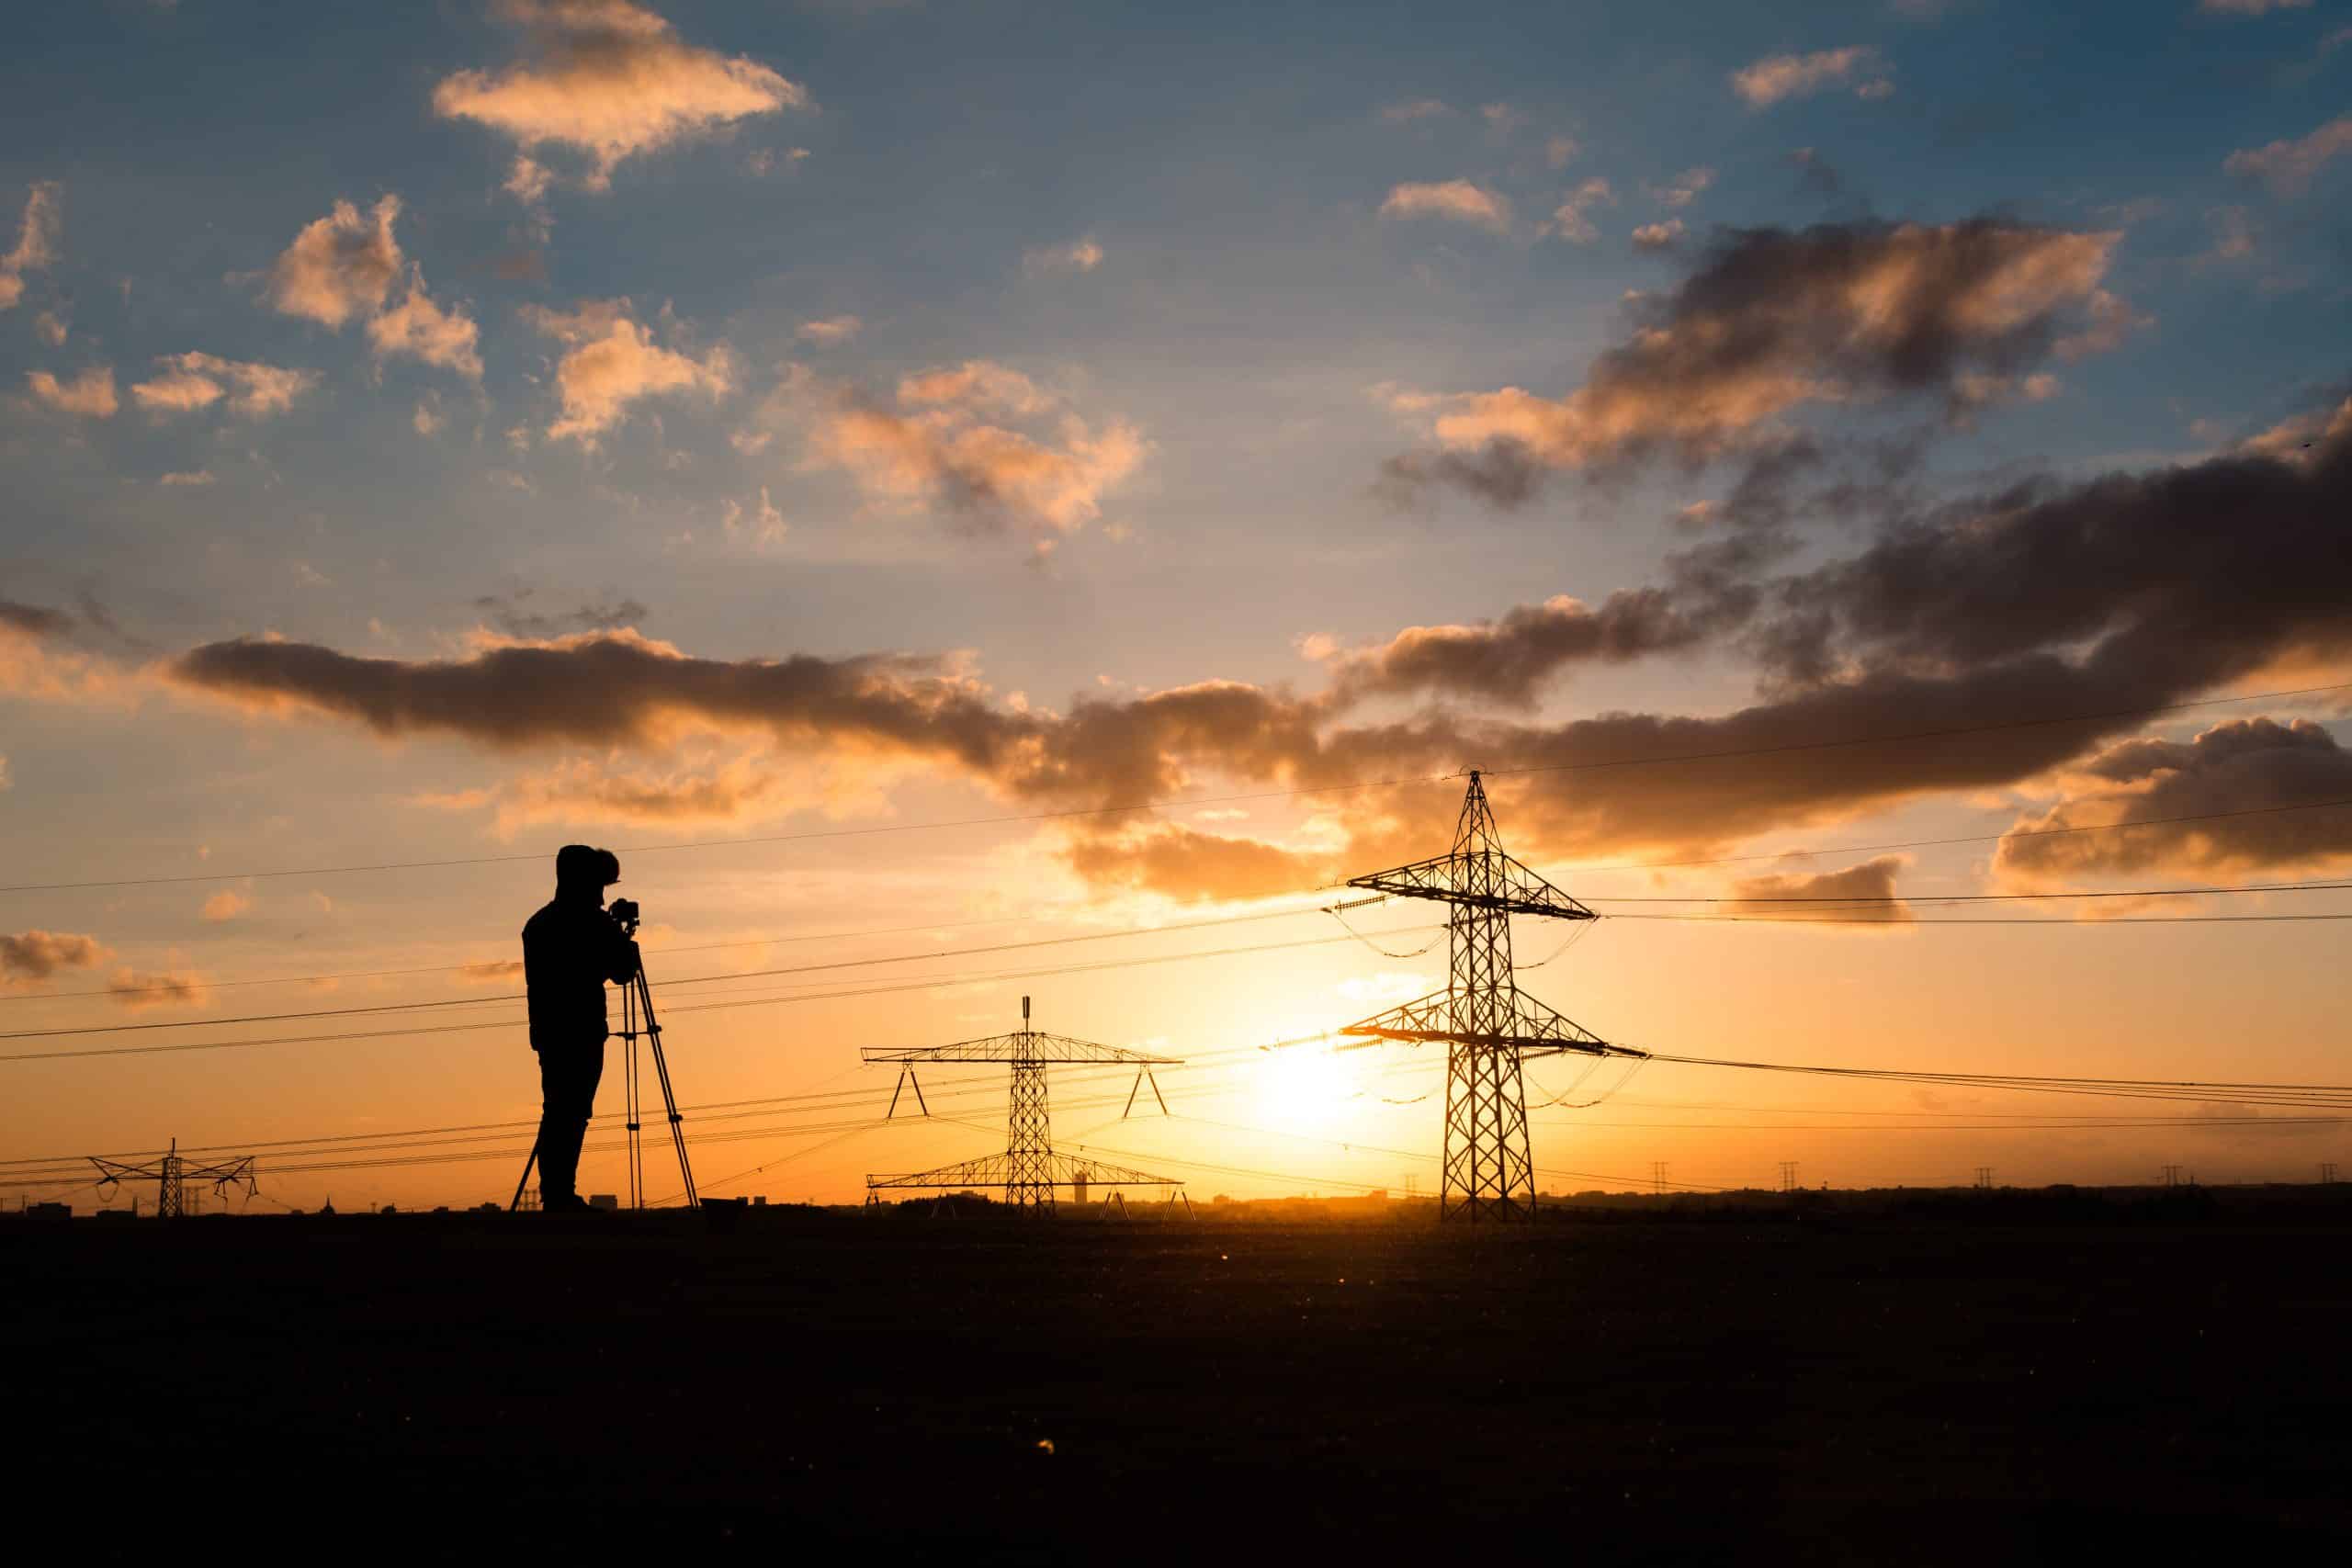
(625, 913)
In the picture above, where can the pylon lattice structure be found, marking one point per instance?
(172, 1173)
(1029, 1170)
(1489, 1026)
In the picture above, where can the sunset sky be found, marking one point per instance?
(898, 433)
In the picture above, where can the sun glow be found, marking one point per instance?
(1305, 1086)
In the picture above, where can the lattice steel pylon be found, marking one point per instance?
(1488, 1025)
(1028, 1170)
(172, 1173)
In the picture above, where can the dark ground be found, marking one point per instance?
(1954, 1385)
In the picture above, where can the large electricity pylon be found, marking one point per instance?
(1489, 1026)
(172, 1174)
(1028, 1170)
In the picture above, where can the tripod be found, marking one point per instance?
(636, 1021)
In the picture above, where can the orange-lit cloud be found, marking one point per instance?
(225, 905)
(1569, 220)
(1863, 893)
(340, 266)
(420, 329)
(1077, 255)
(945, 446)
(191, 382)
(36, 245)
(607, 79)
(1457, 199)
(141, 989)
(1774, 319)
(832, 330)
(89, 394)
(1782, 76)
(2096, 598)
(2235, 775)
(29, 958)
(612, 361)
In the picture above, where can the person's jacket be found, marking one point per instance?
(570, 949)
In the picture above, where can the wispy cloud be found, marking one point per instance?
(1783, 76)
(193, 381)
(1569, 220)
(1077, 255)
(2289, 167)
(830, 329)
(36, 245)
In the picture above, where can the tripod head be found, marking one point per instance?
(625, 914)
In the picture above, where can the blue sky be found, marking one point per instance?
(1068, 344)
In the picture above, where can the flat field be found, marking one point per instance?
(1947, 1387)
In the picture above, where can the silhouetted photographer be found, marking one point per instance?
(570, 948)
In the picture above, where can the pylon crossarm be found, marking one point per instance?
(1028, 1045)
(1511, 887)
(991, 1171)
(1533, 1029)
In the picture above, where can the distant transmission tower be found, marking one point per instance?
(1984, 1178)
(1788, 1176)
(2327, 1173)
(172, 1174)
(1028, 1170)
(1658, 1175)
(1489, 1026)
(2172, 1175)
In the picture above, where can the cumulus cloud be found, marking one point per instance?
(943, 443)
(2289, 167)
(194, 381)
(36, 245)
(339, 266)
(1459, 200)
(420, 329)
(1569, 220)
(89, 394)
(607, 79)
(1079, 255)
(612, 361)
(2238, 775)
(832, 330)
(1782, 76)
(1773, 319)
(1659, 236)
(1863, 893)
(29, 958)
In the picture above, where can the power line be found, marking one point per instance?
(1077, 812)
(1865, 899)
(1895, 923)
(687, 980)
(933, 983)
(1962, 839)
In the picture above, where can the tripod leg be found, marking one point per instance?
(669, 1095)
(526, 1181)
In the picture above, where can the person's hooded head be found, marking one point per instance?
(582, 871)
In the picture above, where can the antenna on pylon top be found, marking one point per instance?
(1024, 1012)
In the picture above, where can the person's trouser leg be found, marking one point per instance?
(568, 1079)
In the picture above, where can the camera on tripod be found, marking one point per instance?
(625, 914)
